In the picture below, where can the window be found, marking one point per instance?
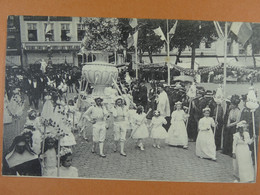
(81, 32)
(32, 31)
(65, 32)
(49, 32)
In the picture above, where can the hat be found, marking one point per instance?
(208, 93)
(98, 98)
(206, 109)
(65, 151)
(16, 90)
(235, 99)
(119, 98)
(241, 124)
(178, 103)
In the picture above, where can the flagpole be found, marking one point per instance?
(168, 54)
(225, 62)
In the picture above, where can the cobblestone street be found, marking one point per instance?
(166, 164)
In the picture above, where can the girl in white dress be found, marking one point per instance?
(177, 134)
(66, 170)
(7, 113)
(49, 156)
(48, 108)
(205, 143)
(157, 130)
(140, 130)
(243, 165)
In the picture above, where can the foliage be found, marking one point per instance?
(101, 34)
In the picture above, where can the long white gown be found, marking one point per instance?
(177, 134)
(243, 165)
(140, 129)
(205, 143)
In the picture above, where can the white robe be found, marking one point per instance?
(163, 104)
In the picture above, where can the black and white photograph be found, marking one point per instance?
(131, 99)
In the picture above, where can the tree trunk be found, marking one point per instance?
(150, 57)
(254, 60)
(178, 56)
(193, 49)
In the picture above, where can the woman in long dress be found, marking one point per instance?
(243, 165)
(205, 143)
(177, 134)
(233, 119)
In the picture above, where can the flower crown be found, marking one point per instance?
(26, 131)
(65, 151)
(241, 124)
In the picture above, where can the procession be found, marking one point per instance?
(104, 111)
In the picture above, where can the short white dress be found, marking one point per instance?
(140, 129)
(158, 131)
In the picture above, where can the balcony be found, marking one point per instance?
(51, 45)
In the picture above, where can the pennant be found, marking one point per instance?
(219, 30)
(133, 22)
(158, 31)
(173, 29)
(130, 41)
(242, 30)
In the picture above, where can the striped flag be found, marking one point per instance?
(242, 30)
(219, 30)
(133, 22)
(158, 31)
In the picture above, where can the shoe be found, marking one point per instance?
(123, 154)
(93, 150)
(185, 147)
(103, 155)
(154, 145)
(142, 148)
(214, 159)
(158, 146)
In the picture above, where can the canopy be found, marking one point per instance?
(184, 78)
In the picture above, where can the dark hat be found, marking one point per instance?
(235, 99)
(208, 93)
(98, 98)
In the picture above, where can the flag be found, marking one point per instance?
(242, 30)
(130, 41)
(48, 27)
(219, 30)
(133, 22)
(173, 29)
(158, 31)
(135, 37)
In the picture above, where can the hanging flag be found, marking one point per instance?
(130, 41)
(133, 22)
(135, 37)
(242, 30)
(219, 30)
(48, 27)
(173, 29)
(158, 31)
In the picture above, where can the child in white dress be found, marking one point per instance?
(205, 143)
(157, 130)
(243, 165)
(48, 108)
(49, 157)
(177, 134)
(66, 170)
(140, 130)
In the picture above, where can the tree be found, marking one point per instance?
(191, 34)
(255, 41)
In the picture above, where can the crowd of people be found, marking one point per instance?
(164, 113)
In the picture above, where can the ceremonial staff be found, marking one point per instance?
(219, 97)
(253, 105)
(191, 94)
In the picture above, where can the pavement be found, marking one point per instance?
(165, 164)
